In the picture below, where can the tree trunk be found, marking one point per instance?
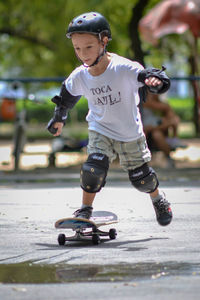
(137, 14)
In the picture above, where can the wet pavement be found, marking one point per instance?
(31, 273)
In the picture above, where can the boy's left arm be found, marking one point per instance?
(156, 80)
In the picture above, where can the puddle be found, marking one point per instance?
(34, 273)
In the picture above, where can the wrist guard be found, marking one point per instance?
(60, 114)
(160, 74)
(64, 102)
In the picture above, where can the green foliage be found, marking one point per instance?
(184, 108)
(33, 42)
(82, 109)
(34, 34)
(37, 112)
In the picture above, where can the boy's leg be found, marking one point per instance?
(93, 178)
(94, 171)
(145, 180)
(134, 157)
(88, 198)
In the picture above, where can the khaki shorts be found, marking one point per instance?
(131, 154)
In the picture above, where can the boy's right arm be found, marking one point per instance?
(64, 102)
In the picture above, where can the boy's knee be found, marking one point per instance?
(94, 172)
(144, 179)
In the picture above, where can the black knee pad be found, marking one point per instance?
(94, 172)
(144, 179)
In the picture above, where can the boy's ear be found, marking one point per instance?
(105, 41)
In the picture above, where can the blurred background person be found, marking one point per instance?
(161, 126)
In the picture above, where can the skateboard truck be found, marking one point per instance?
(93, 235)
(87, 230)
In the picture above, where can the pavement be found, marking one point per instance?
(145, 261)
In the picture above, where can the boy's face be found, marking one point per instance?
(87, 47)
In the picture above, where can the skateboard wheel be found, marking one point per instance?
(96, 239)
(61, 239)
(112, 233)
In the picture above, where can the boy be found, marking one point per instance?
(110, 83)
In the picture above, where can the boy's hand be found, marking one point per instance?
(153, 81)
(55, 128)
(59, 127)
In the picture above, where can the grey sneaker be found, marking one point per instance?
(84, 213)
(163, 211)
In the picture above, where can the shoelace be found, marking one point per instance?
(83, 211)
(162, 205)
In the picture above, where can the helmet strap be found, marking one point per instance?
(99, 57)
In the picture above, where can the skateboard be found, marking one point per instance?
(88, 230)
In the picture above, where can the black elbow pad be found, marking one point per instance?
(65, 99)
(68, 100)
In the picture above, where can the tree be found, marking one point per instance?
(32, 35)
(33, 42)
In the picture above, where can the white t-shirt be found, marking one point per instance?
(112, 98)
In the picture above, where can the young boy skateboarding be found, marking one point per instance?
(110, 83)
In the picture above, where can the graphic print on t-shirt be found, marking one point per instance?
(104, 96)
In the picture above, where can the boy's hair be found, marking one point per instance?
(91, 22)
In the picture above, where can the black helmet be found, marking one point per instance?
(91, 22)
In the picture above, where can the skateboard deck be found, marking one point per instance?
(87, 229)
